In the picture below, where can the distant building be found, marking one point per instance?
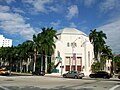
(5, 42)
(73, 52)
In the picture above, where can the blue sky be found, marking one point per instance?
(20, 19)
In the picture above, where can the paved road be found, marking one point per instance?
(54, 83)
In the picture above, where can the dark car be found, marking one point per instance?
(100, 74)
(119, 76)
(38, 72)
(73, 74)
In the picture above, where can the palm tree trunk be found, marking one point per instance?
(42, 63)
(20, 65)
(0, 61)
(34, 64)
(99, 56)
(45, 63)
(10, 65)
(16, 66)
(27, 65)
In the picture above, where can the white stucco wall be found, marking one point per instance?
(88, 57)
(5, 42)
(70, 35)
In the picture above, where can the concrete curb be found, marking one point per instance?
(53, 75)
(86, 77)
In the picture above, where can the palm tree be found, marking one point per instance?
(28, 49)
(2, 55)
(97, 39)
(101, 50)
(16, 58)
(92, 38)
(9, 56)
(116, 63)
(100, 43)
(22, 55)
(106, 55)
(47, 43)
(35, 48)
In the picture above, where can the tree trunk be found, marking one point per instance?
(0, 61)
(10, 64)
(34, 64)
(27, 64)
(46, 63)
(16, 67)
(42, 63)
(20, 66)
(98, 57)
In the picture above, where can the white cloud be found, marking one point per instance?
(73, 25)
(56, 8)
(56, 24)
(4, 8)
(45, 6)
(17, 10)
(108, 5)
(7, 1)
(13, 23)
(112, 31)
(89, 2)
(38, 5)
(72, 11)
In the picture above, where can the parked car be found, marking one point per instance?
(4, 71)
(100, 74)
(73, 74)
(38, 72)
(119, 76)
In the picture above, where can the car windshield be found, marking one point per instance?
(101, 72)
(72, 72)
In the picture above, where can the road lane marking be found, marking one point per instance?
(4, 88)
(113, 88)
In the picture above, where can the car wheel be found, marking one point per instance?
(105, 77)
(119, 77)
(43, 74)
(64, 76)
(75, 77)
(91, 76)
(80, 77)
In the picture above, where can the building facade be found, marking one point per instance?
(4, 42)
(73, 51)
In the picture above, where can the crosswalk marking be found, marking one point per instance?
(4, 88)
(113, 88)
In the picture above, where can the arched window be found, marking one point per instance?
(68, 44)
(73, 44)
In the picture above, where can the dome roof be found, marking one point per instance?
(70, 31)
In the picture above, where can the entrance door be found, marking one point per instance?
(73, 67)
(78, 68)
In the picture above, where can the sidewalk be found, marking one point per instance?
(57, 75)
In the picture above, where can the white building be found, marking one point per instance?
(5, 42)
(75, 50)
